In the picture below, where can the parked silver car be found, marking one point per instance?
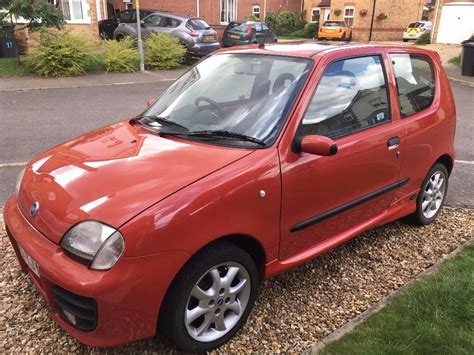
(194, 33)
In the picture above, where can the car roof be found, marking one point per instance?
(176, 16)
(310, 49)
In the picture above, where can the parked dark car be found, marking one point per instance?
(108, 26)
(250, 32)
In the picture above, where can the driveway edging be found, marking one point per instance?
(87, 85)
(349, 326)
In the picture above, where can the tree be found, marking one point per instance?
(36, 14)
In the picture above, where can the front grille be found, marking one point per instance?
(79, 311)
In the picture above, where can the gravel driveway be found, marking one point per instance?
(293, 310)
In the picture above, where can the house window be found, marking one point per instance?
(74, 10)
(256, 11)
(349, 12)
(315, 12)
(228, 11)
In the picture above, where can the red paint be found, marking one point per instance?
(170, 197)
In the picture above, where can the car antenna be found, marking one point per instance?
(262, 45)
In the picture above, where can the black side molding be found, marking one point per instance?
(342, 208)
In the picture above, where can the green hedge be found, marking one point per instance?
(121, 56)
(285, 23)
(163, 51)
(60, 54)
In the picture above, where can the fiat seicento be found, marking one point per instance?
(254, 161)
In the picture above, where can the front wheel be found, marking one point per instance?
(432, 196)
(210, 299)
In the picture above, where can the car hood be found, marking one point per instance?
(111, 175)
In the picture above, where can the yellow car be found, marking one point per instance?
(415, 29)
(335, 30)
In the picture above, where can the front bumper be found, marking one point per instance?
(411, 36)
(127, 297)
(203, 49)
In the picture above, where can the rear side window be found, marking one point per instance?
(415, 82)
(170, 22)
(198, 24)
(351, 96)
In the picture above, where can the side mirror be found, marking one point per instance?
(142, 23)
(150, 102)
(317, 145)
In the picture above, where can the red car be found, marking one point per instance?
(254, 161)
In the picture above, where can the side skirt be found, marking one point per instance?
(401, 208)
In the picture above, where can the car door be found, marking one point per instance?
(324, 197)
(151, 24)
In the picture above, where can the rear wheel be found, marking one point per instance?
(210, 298)
(432, 196)
(405, 40)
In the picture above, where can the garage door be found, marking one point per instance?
(456, 23)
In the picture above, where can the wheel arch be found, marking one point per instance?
(447, 161)
(247, 243)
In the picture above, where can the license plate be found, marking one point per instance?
(210, 38)
(235, 36)
(29, 261)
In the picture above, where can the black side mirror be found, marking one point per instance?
(142, 23)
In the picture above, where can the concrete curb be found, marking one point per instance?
(461, 82)
(87, 85)
(347, 327)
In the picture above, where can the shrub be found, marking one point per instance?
(163, 51)
(271, 20)
(59, 54)
(121, 56)
(284, 24)
(425, 38)
(252, 17)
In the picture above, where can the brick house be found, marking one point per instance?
(218, 13)
(358, 14)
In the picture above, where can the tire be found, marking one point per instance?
(103, 35)
(222, 310)
(431, 198)
(405, 40)
(119, 38)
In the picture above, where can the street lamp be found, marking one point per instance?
(139, 36)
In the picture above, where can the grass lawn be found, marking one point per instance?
(9, 67)
(456, 60)
(433, 316)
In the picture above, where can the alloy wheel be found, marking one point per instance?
(217, 301)
(433, 194)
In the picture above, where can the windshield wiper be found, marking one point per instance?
(161, 120)
(218, 134)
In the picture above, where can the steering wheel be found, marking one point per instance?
(209, 101)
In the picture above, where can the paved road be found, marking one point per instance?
(32, 121)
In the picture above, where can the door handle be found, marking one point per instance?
(393, 143)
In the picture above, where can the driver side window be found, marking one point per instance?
(153, 20)
(351, 96)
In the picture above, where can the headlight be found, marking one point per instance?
(94, 244)
(19, 179)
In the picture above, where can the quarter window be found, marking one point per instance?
(351, 96)
(349, 15)
(415, 82)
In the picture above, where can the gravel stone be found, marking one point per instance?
(293, 311)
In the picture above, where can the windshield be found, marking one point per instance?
(333, 24)
(198, 24)
(414, 25)
(238, 93)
